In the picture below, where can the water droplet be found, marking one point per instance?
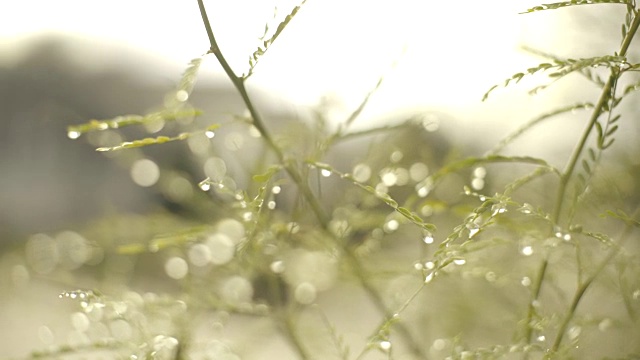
(145, 172)
(277, 266)
(428, 238)
(527, 250)
(237, 290)
(480, 172)
(176, 267)
(325, 172)
(391, 225)
(222, 248)
(429, 277)
(424, 187)
(429, 265)
(182, 95)
(233, 228)
(605, 324)
(541, 338)
(154, 125)
(636, 295)
(574, 332)
(459, 261)
(497, 209)
(205, 184)
(305, 293)
(73, 134)
(247, 216)
(199, 254)
(473, 229)
(477, 183)
(385, 345)
(396, 156)
(276, 189)
(388, 177)
(426, 210)
(418, 266)
(418, 171)
(164, 347)
(526, 209)
(80, 321)
(526, 281)
(210, 134)
(215, 168)
(439, 344)
(120, 329)
(271, 204)
(566, 237)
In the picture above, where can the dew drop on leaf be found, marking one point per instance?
(391, 225)
(428, 238)
(473, 229)
(429, 278)
(385, 345)
(477, 183)
(72, 134)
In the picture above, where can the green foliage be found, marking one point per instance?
(504, 275)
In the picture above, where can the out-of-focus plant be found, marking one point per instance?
(545, 266)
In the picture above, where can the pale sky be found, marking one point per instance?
(447, 53)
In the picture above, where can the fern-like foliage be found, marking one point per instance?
(267, 42)
(558, 5)
(560, 68)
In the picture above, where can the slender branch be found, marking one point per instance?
(297, 178)
(238, 82)
(597, 111)
(582, 288)
(567, 175)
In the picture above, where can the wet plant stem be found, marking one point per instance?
(566, 177)
(257, 121)
(296, 176)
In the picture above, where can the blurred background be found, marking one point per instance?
(65, 62)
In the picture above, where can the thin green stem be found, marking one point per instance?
(605, 96)
(238, 82)
(583, 286)
(297, 178)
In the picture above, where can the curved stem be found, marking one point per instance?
(238, 82)
(296, 176)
